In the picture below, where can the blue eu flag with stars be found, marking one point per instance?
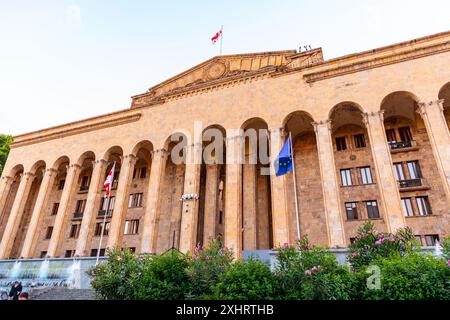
(283, 163)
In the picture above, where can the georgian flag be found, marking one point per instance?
(216, 37)
(109, 181)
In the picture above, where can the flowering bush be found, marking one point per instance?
(310, 273)
(205, 267)
(370, 245)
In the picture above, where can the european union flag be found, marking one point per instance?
(283, 163)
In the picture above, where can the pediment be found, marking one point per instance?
(225, 67)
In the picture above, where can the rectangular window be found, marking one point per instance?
(405, 134)
(346, 177)
(372, 210)
(61, 184)
(366, 175)
(49, 232)
(80, 206)
(352, 210)
(43, 254)
(390, 134)
(143, 173)
(94, 252)
(55, 208)
(98, 229)
(85, 182)
(220, 217)
(69, 253)
(134, 173)
(424, 206)
(414, 170)
(131, 226)
(75, 230)
(431, 239)
(135, 200)
(105, 203)
(398, 172)
(341, 145)
(360, 141)
(407, 207)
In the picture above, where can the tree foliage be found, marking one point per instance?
(5, 141)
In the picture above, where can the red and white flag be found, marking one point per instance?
(109, 181)
(216, 37)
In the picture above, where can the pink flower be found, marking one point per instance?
(448, 263)
(284, 246)
(308, 272)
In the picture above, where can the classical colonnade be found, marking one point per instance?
(431, 112)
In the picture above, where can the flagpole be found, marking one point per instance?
(104, 219)
(221, 37)
(295, 188)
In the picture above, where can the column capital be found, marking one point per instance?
(130, 157)
(161, 152)
(7, 178)
(74, 166)
(367, 115)
(327, 123)
(51, 171)
(28, 175)
(100, 161)
(423, 106)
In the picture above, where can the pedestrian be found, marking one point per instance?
(23, 296)
(15, 291)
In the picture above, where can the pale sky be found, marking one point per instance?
(62, 61)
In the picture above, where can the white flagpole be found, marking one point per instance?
(104, 217)
(297, 216)
(221, 37)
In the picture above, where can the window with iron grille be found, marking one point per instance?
(341, 145)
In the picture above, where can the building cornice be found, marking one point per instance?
(81, 126)
(373, 62)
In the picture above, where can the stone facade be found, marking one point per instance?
(371, 141)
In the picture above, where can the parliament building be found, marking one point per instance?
(371, 142)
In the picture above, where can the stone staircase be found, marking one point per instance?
(58, 293)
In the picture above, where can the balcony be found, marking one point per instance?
(413, 185)
(77, 216)
(102, 213)
(402, 146)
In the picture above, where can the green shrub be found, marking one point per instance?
(163, 277)
(310, 273)
(115, 279)
(446, 248)
(411, 277)
(205, 267)
(251, 280)
(371, 245)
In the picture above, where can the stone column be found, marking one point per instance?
(280, 214)
(90, 213)
(38, 210)
(387, 184)
(149, 230)
(120, 205)
(16, 214)
(249, 207)
(63, 210)
(5, 188)
(233, 192)
(211, 202)
(330, 185)
(433, 116)
(189, 212)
